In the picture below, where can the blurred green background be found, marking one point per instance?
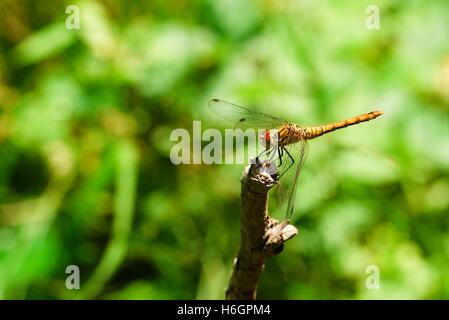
(85, 171)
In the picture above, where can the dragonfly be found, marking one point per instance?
(290, 145)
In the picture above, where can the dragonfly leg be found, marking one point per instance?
(292, 161)
(269, 152)
(265, 152)
(281, 154)
(272, 155)
(291, 158)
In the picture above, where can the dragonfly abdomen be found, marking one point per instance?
(313, 132)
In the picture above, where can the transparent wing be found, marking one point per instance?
(289, 173)
(243, 117)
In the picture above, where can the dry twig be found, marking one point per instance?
(261, 235)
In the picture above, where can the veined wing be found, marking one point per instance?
(243, 117)
(290, 173)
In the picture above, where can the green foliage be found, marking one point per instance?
(85, 121)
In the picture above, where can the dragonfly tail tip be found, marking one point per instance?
(377, 113)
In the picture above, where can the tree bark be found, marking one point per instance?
(261, 235)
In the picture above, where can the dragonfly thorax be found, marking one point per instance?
(290, 133)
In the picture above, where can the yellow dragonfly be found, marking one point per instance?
(291, 140)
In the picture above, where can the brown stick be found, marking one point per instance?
(261, 236)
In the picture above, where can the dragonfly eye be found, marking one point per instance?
(267, 136)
